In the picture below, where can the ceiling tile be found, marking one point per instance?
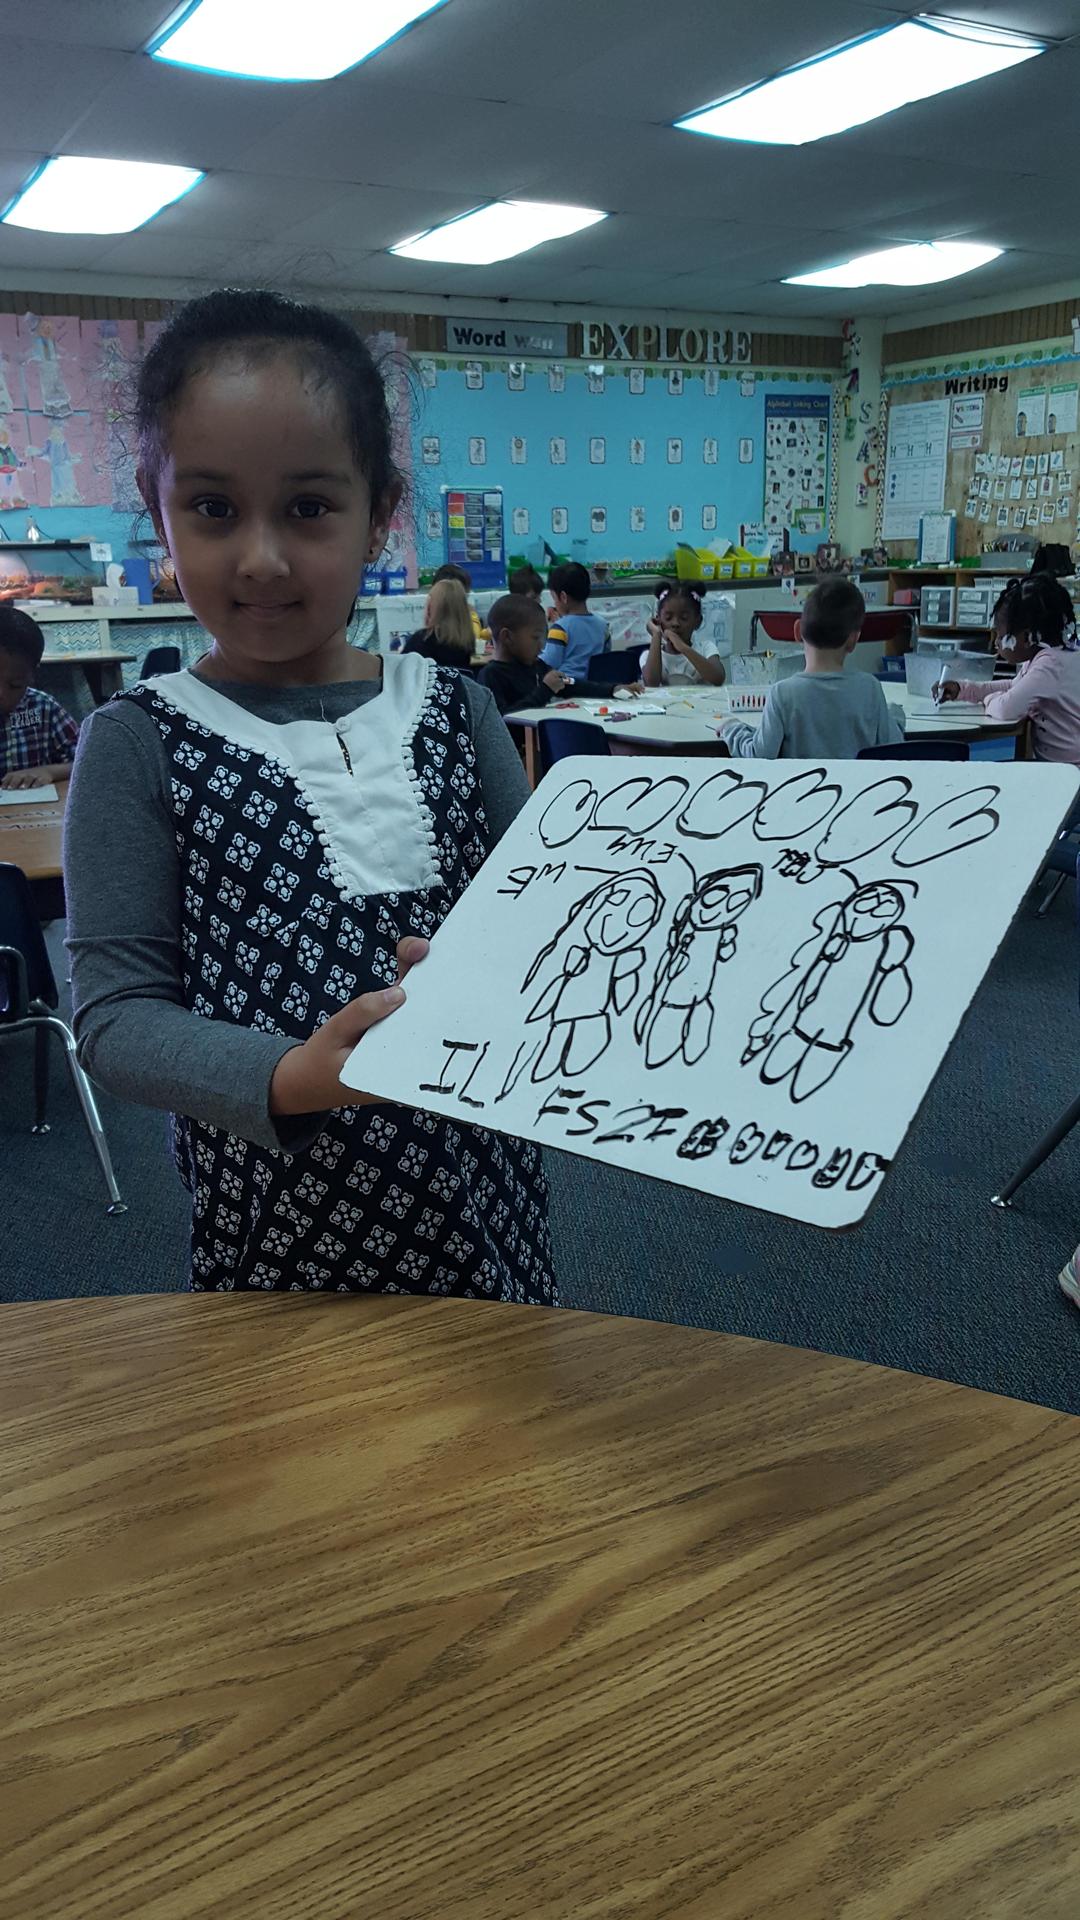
(123, 24)
(158, 112)
(372, 217)
(30, 252)
(243, 207)
(47, 94)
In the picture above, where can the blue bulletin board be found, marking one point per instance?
(629, 462)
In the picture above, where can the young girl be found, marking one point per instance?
(673, 653)
(447, 633)
(298, 819)
(1034, 626)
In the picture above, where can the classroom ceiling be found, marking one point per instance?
(307, 185)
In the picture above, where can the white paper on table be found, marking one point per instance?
(26, 796)
(740, 981)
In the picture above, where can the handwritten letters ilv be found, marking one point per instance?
(740, 979)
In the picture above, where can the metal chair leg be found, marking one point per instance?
(1045, 1148)
(90, 1111)
(1050, 895)
(41, 1079)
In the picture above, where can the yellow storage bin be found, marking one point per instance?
(749, 566)
(696, 563)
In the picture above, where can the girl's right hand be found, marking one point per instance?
(307, 1079)
(654, 630)
(947, 690)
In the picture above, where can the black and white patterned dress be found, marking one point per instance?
(307, 851)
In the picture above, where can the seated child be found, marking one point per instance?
(526, 580)
(825, 713)
(1034, 626)
(674, 655)
(517, 677)
(464, 580)
(37, 734)
(575, 634)
(447, 633)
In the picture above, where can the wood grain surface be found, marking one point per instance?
(32, 836)
(318, 1608)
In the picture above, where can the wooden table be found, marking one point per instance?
(101, 667)
(322, 1609)
(33, 838)
(690, 726)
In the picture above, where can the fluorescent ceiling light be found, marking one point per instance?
(281, 40)
(70, 195)
(917, 265)
(497, 232)
(858, 82)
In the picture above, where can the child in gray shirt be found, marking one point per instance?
(825, 713)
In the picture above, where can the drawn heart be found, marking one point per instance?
(959, 822)
(871, 818)
(724, 800)
(639, 805)
(569, 814)
(798, 806)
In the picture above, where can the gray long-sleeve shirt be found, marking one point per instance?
(134, 1031)
(818, 716)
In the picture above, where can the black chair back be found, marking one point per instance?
(614, 669)
(160, 660)
(25, 970)
(562, 739)
(918, 750)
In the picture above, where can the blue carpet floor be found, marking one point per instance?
(934, 1281)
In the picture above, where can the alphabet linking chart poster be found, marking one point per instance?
(741, 981)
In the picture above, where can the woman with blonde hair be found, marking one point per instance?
(447, 633)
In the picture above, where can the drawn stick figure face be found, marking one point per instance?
(622, 912)
(874, 909)
(724, 898)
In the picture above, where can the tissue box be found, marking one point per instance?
(115, 596)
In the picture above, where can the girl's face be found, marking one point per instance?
(268, 519)
(679, 620)
(1013, 647)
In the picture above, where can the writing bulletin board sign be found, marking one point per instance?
(473, 533)
(742, 982)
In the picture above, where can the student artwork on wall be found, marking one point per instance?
(431, 450)
(675, 380)
(474, 376)
(556, 376)
(560, 520)
(637, 519)
(595, 380)
(598, 520)
(597, 451)
(519, 521)
(675, 519)
(557, 451)
(635, 380)
(429, 373)
(674, 453)
(515, 376)
(477, 451)
(519, 450)
(637, 453)
(741, 982)
(708, 519)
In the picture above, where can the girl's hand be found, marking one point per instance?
(654, 630)
(307, 1079)
(556, 680)
(947, 690)
(630, 686)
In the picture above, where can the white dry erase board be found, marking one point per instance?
(740, 980)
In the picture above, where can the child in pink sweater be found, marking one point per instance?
(1034, 625)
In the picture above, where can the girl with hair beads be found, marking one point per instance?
(299, 818)
(677, 651)
(1035, 627)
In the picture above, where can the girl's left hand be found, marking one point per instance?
(307, 1079)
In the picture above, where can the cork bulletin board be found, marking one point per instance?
(1013, 459)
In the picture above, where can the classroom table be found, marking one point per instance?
(448, 1610)
(32, 837)
(102, 669)
(688, 724)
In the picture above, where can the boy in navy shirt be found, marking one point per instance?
(37, 735)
